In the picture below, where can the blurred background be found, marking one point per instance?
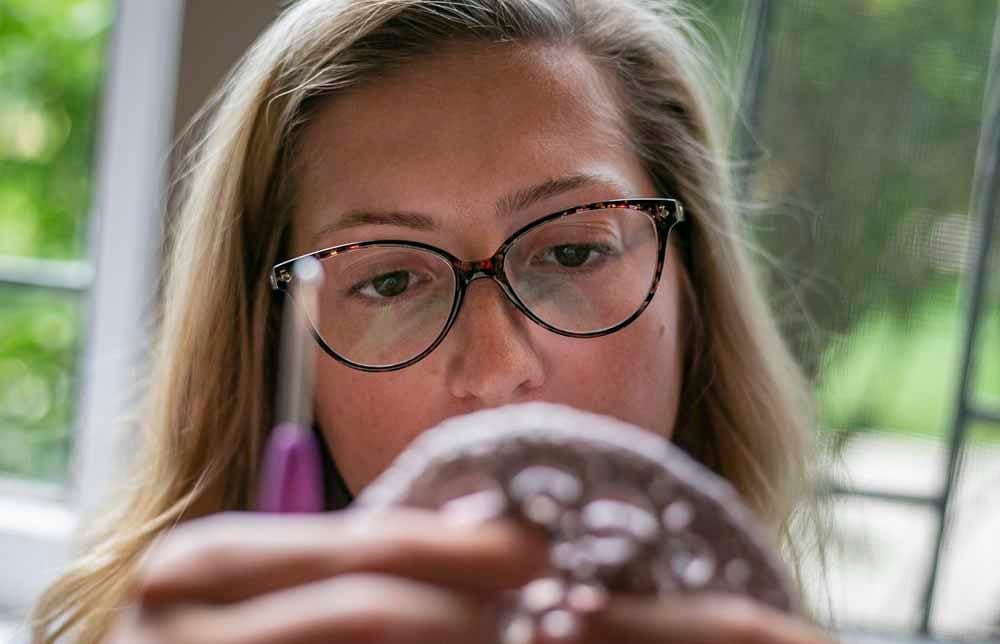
(864, 140)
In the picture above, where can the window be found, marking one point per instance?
(53, 61)
(870, 128)
(72, 327)
(68, 339)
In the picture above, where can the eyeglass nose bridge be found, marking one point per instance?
(469, 271)
(492, 268)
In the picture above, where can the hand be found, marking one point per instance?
(401, 576)
(698, 619)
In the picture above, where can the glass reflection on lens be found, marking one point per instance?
(585, 272)
(383, 305)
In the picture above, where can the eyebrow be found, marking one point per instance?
(505, 206)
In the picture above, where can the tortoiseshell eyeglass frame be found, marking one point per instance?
(664, 212)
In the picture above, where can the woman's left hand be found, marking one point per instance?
(698, 619)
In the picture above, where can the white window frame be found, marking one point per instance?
(38, 522)
(164, 58)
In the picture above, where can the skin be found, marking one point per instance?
(406, 576)
(448, 137)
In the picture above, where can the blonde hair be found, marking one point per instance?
(746, 407)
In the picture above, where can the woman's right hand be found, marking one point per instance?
(397, 576)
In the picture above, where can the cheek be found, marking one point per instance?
(368, 418)
(634, 374)
(657, 372)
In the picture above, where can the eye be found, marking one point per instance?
(387, 285)
(572, 255)
(588, 255)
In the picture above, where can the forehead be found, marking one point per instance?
(451, 132)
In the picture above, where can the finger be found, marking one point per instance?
(232, 557)
(349, 608)
(125, 628)
(698, 619)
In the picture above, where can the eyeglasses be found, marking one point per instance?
(583, 272)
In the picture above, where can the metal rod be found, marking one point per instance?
(295, 384)
(984, 198)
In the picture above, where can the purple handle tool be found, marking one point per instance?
(291, 477)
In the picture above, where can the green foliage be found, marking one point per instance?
(900, 374)
(38, 346)
(868, 125)
(51, 60)
(51, 64)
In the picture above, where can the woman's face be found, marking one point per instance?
(449, 137)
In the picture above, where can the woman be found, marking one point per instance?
(451, 125)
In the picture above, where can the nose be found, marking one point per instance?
(493, 361)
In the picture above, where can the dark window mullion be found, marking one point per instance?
(880, 495)
(754, 34)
